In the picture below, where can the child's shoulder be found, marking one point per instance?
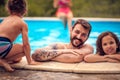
(17, 19)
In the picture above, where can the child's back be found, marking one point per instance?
(10, 28)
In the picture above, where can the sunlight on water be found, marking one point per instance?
(43, 33)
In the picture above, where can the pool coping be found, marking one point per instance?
(82, 67)
(75, 18)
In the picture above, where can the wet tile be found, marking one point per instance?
(103, 67)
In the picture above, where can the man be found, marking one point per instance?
(72, 52)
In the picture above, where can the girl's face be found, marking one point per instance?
(109, 45)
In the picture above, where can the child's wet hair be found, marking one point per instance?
(17, 6)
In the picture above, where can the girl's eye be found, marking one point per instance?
(104, 44)
(111, 42)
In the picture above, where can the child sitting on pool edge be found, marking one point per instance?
(108, 49)
(10, 28)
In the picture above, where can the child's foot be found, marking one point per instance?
(6, 66)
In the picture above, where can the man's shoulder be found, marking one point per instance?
(87, 45)
(59, 45)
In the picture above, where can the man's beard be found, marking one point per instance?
(78, 45)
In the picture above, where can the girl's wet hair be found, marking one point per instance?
(99, 42)
(17, 6)
(84, 23)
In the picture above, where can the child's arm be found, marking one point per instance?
(115, 57)
(26, 45)
(94, 58)
(55, 3)
(106, 58)
(70, 3)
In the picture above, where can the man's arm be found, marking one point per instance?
(57, 53)
(44, 54)
(47, 53)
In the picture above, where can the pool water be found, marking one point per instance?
(45, 32)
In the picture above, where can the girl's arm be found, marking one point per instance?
(55, 3)
(106, 58)
(115, 57)
(94, 58)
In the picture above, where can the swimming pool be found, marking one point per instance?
(43, 32)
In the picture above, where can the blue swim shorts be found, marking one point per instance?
(5, 47)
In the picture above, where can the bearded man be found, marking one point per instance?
(72, 52)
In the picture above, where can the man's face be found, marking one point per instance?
(79, 35)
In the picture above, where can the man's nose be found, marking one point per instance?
(79, 36)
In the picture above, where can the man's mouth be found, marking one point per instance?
(77, 41)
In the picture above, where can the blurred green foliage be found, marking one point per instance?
(80, 8)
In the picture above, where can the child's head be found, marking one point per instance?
(17, 7)
(107, 43)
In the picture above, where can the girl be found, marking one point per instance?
(64, 11)
(108, 49)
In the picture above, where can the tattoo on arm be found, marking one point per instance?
(54, 47)
(45, 55)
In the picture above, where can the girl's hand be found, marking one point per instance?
(112, 60)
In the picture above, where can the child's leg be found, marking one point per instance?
(69, 17)
(15, 54)
(6, 65)
(63, 17)
(14, 59)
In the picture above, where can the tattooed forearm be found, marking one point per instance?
(54, 46)
(44, 55)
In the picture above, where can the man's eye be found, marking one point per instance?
(84, 35)
(77, 32)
